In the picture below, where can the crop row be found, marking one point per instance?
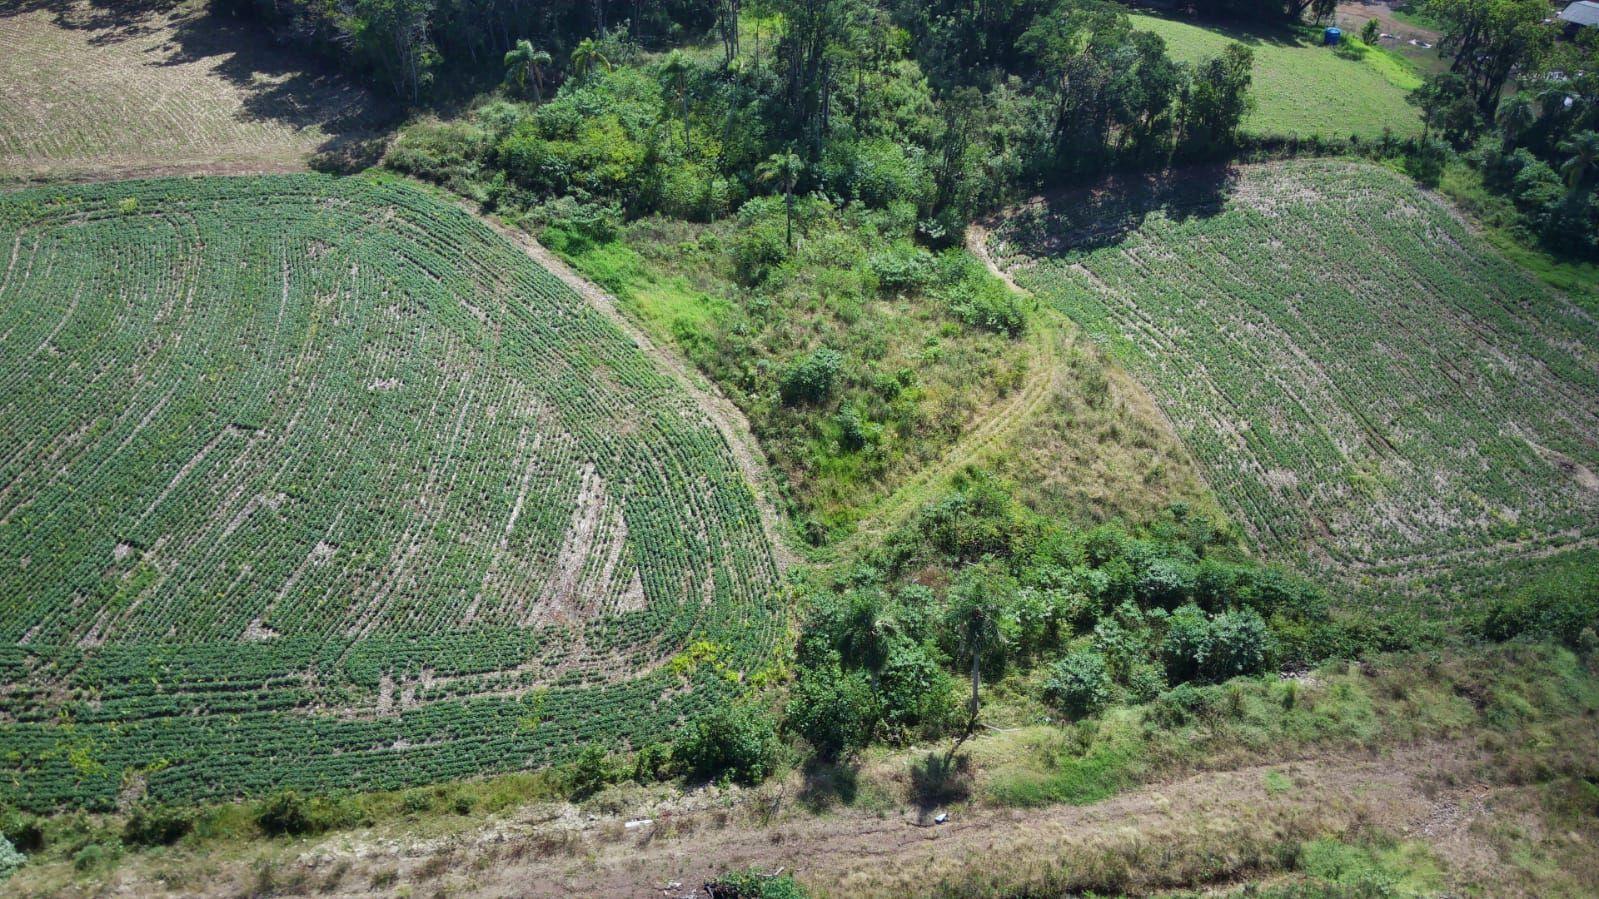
(318, 452)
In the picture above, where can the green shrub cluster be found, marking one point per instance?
(737, 743)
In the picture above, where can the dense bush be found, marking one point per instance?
(836, 712)
(738, 744)
(22, 830)
(288, 813)
(156, 826)
(1562, 605)
(1079, 684)
(1200, 647)
(810, 378)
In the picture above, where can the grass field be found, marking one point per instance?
(1370, 389)
(320, 483)
(1302, 88)
(114, 87)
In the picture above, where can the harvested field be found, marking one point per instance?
(88, 88)
(322, 484)
(1371, 390)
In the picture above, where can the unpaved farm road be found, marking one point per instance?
(1166, 835)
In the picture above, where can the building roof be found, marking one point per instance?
(1583, 12)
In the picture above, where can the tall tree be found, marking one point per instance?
(1218, 99)
(588, 56)
(525, 62)
(783, 169)
(395, 35)
(1582, 157)
(976, 610)
(727, 24)
(1490, 40)
(676, 72)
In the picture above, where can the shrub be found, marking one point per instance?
(836, 712)
(589, 774)
(754, 885)
(10, 859)
(810, 378)
(289, 814)
(1239, 644)
(153, 826)
(285, 813)
(989, 306)
(739, 744)
(21, 829)
(902, 267)
(1187, 644)
(855, 431)
(1166, 582)
(1079, 684)
(917, 694)
(92, 856)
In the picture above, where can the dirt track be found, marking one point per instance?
(1185, 833)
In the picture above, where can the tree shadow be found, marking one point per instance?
(277, 82)
(939, 780)
(112, 21)
(828, 784)
(1103, 215)
(1244, 31)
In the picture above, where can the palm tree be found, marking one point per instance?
(975, 617)
(675, 77)
(1515, 117)
(525, 60)
(1583, 151)
(867, 631)
(586, 56)
(783, 168)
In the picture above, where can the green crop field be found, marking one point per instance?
(1369, 387)
(1302, 88)
(321, 484)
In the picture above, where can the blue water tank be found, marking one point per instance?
(1331, 36)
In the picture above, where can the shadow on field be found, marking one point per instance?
(111, 20)
(277, 83)
(1103, 215)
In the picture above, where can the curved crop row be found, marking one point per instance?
(1368, 386)
(315, 482)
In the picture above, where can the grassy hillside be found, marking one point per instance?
(1302, 88)
(91, 87)
(932, 387)
(322, 484)
(1369, 387)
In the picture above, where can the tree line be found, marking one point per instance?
(881, 102)
(1520, 103)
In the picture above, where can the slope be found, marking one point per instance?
(1302, 89)
(298, 462)
(1370, 389)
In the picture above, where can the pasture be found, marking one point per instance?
(1302, 89)
(89, 88)
(1370, 389)
(322, 484)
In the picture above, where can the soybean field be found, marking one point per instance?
(1371, 390)
(321, 484)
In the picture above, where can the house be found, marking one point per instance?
(1579, 15)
